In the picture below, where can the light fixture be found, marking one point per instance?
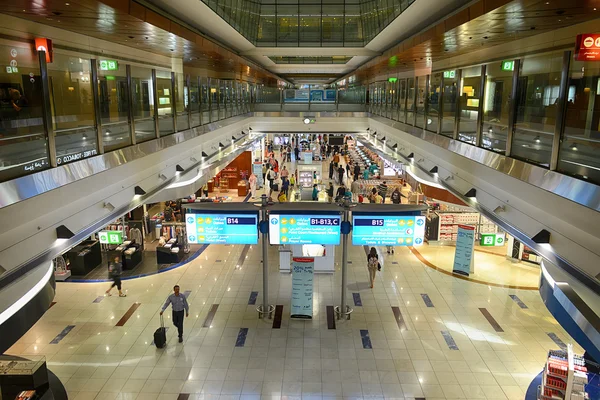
(249, 128)
(306, 121)
(108, 206)
(192, 159)
(449, 178)
(537, 139)
(499, 209)
(179, 168)
(542, 237)
(243, 133)
(221, 145)
(368, 129)
(383, 139)
(204, 154)
(395, 146)
(411, 156)
(139, 191)
(84, 136)
(233, 138)
(374, 133)
(162, 176)
(62, 232)
(574, 147)
(434, 170)
(472, 193)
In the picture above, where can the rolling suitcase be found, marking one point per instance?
(160, 335)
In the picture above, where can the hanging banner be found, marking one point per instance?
(463, 257)
(303, 269)
(257, 170)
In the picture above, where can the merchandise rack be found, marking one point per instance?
(564, 376)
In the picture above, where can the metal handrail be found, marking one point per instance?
(23, 136)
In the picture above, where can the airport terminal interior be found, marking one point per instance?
(299, 199)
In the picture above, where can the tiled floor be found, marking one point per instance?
(419, 333)
(98, 360)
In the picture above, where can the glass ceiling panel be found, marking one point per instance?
(309, 23)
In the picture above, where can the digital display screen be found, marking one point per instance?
(379, 230)
(222, 228)
(304, 229)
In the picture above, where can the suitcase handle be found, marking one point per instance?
(162, 321)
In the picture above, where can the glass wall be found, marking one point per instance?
(496, 105)
(142, 103)
(23, 147)
(205, 99)
(402, 100)
(165, 102)
(470, 92)
(182, 101)
(421, 93)
(196, 115)
(72, 106)
(579, 153)
(433, 98)
(449, 102)
(537, 103)
(214, 99)
(410, 102)
(394, 101)
(114, 107)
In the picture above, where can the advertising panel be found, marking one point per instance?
(379, 230)
(304, 229)
(463, 257)
(110, 237)
(222, 228)
(588, 47)
(303, 269)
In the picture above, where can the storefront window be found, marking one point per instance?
(470, 91)
(580, 147)
(194, 101)
(410, 102)
(205, 100)
(537, 103)
(165, 100)
(23, 148)
(72, 107)
(214, 98)
(142, 103)
(402, 100)
(421, 93)
(393, 101)
(114, 106)
(433, 107)
(223, 104)
(182, 101)
(496, 106)
(449, 102)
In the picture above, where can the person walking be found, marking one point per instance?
(356, 172)
(372, 265)
(252, 181)
(178, 303)
(341, 172)
(331, 169)
(382, 188)
(396, 196)
(285, 172)
(115, 269)
(315, 193)
(330, 193)
(296, 152)
(340, 193)
(285, 186)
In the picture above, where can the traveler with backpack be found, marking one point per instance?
(115, 270)
(373, 265)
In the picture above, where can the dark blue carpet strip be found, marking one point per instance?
(241, 337)
(62, 334)
(252, 299)
(357, 299)
(427, 300)
(517, 300)
(98, 299)
(209, 317)
(399, 319)
(557, 340)
(449, 340)
(366, 339)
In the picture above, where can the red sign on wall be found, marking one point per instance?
(588, 47)
(43, 44)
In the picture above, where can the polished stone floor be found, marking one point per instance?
(419, 333)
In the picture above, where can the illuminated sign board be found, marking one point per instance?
(45, 45)
(304, 229)
(222, 228)
(110, 237)
(450, 74)
(384, 230)
(588, 47)
(508, 65)
(109, 65)
(392, 80)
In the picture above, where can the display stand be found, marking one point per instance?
(61, 272)
(166, 255)
(84, 257)
(564, 376)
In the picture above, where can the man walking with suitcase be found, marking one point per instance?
(178, 303)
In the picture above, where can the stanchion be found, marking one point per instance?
(265, 309)
(344, 311)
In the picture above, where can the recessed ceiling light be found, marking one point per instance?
(67, 4)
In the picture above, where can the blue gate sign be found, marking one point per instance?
(304, 229)
(382, 230)
(222, 228)
(303, 269)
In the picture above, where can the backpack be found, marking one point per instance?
(373, 262)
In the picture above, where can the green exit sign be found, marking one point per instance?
(492, 239)
(450, 74)
(110, 237)
(508, 65)
(109, 65)
(392, 80)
